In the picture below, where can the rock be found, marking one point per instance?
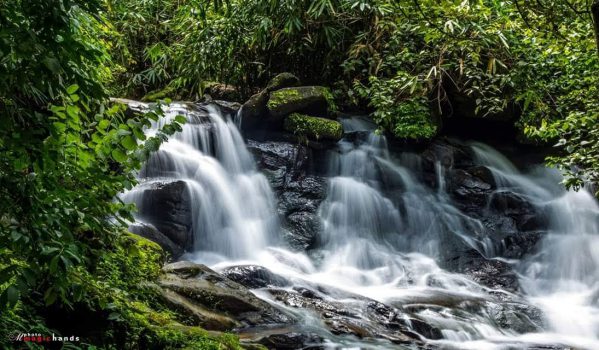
(314, 128)
(313, 100)
(520, 244)
(227, 107)
(286, 165)
(291, 341)
(466, 187)
(150, 232)
(362, 320)
(303, 229)
(222, 91)
(167, 206)
(254, 110)
(508, 202)
(186, 269)
(219, 294)
(494, 274)
(199, 315)
(253, 276)
(448, 153)
(519, 317)
(282, 80)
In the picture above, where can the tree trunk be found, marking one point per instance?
(595, 12)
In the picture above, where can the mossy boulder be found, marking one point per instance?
(254, 109)
(283, 80)
(313, 128)
(313, 100)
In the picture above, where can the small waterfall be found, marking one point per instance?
(563, 278)
(232, 204)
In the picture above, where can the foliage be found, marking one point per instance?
(66, 152)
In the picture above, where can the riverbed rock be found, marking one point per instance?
(292, 341)
(313, 128)
(312, 100)
(300, 192)
(254, 276)
(218, 295)
(363, 320)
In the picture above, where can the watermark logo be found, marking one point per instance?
(41, 338)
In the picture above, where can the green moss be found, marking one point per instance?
(316, 128)
(168, 92)
(282, 96)
(282, 80)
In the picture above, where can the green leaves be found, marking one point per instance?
(129, 143)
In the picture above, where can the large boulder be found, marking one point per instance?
(167, 207)
(299, 191)
(313, 100)
(254, 276)
(254, 110)
(282, 80)
(208, 294)
(313, 128)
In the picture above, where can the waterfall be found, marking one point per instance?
(385, 233)
(232, 204)
(563, 278)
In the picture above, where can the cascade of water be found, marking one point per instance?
(382, 228)
(210, 156)
(563, 278)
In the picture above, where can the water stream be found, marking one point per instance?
(383, 237)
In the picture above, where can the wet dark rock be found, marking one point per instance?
(483, 173)
(302, 228)
(227, 107)
(218, 295)
(291, 341)
(254, 110)
(167, 207)
(253, 276)
(468, 188)
(151, 233)
(287, 166)
(365, 319)
(424, 329)
(521, 243)
(448, 153)
(493, 274)
(508, 202)
(517, 316)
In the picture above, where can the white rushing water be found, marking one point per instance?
(388, 248)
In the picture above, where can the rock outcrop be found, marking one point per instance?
(214, 301)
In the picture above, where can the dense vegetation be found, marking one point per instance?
(66, 151)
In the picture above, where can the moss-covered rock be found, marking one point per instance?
(160, 94)
(283, 80)
(254, 108)
(314, 100)
(314, 128)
